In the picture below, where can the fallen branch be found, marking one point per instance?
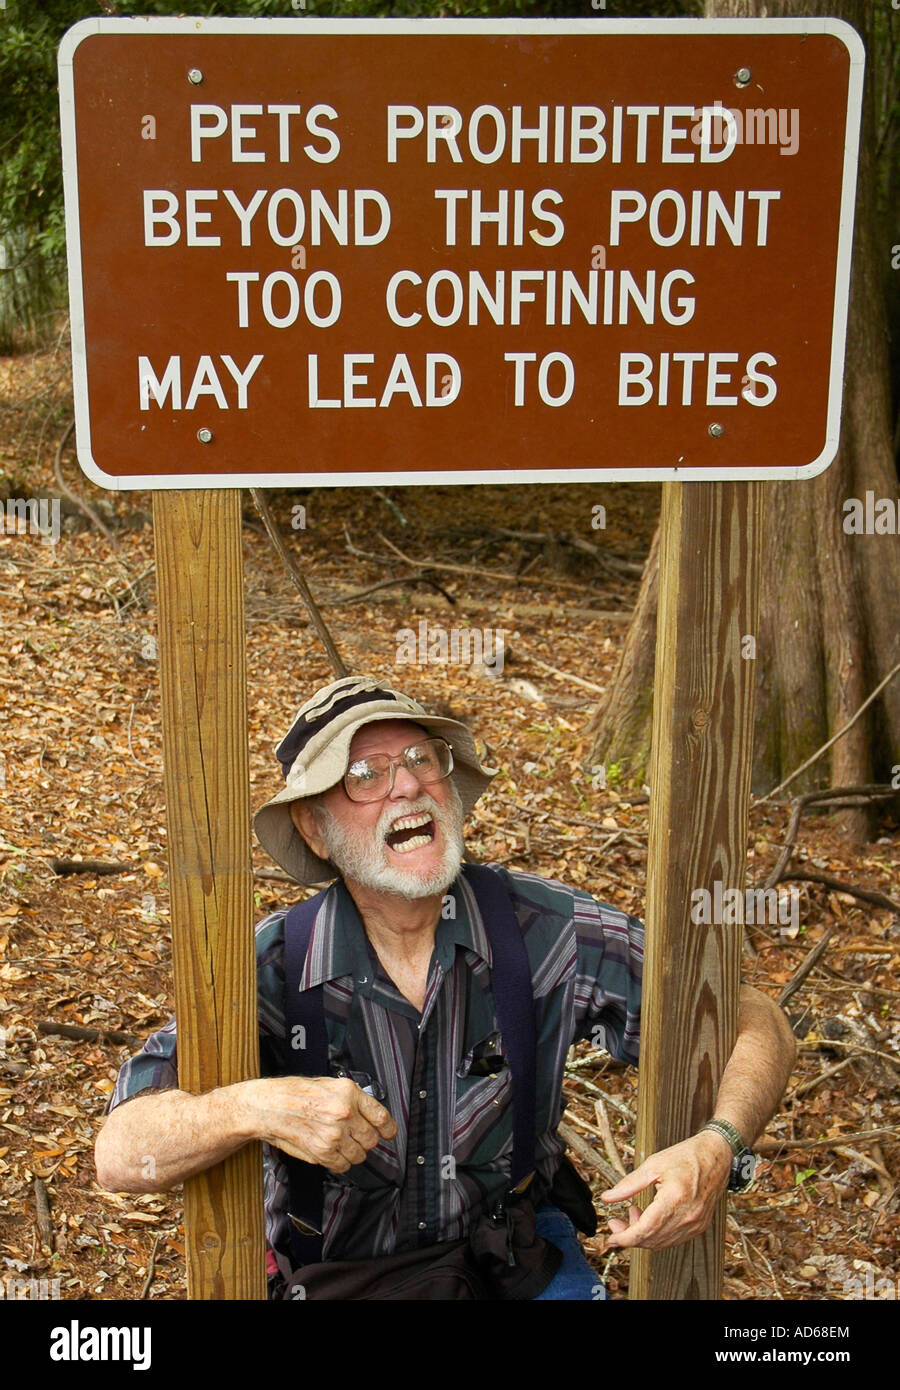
(89, 866)
(810, 1085)
(300, 584)
(871, 1163)
(836, 1042)
(82, 1034)
(151, 1269)
(499, 576)
(867, 895)
(587, 1153)
(404, 582)
(273, 874)
(616, 1104)
(75, 498)
(768, 1146)
(806, 965)
(609, 1140)
(45, 1224)
(871, 791)
(825, 746)
(566, 675)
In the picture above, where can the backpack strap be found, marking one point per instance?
(307, 1042)
(514, 1002)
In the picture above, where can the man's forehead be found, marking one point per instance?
(386, 736)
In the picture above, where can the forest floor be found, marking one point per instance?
(81, 779)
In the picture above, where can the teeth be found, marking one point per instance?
(410, 822)
(414, 843)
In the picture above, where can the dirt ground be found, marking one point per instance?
(81, 778)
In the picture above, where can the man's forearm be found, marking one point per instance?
(758, 1069)
(154, 1142)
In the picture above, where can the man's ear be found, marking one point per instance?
(307, 827)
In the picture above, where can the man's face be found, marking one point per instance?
(408, 843)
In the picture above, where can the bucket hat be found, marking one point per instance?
(315, 752)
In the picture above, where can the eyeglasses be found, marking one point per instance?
(372, 777)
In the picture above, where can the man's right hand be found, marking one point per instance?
(325, 1120)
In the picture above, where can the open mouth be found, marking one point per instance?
(410, 832)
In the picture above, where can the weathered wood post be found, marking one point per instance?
(700, 784)
(204, 705)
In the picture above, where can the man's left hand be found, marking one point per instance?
(689, 1177)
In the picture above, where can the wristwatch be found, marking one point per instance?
(743, 1161)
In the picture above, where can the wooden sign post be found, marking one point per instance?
(199, 575)
(311, 252)
(710, 551)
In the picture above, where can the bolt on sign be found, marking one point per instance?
(381, 251)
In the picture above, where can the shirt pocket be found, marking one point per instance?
(483, 1093)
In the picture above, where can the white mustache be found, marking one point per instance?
(425, 803)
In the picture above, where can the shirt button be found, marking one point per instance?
(423, 1225)
(420, 1159)
(422, 1095)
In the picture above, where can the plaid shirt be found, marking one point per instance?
(442, 1073)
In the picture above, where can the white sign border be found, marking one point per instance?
(161, 25)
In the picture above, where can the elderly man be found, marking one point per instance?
(414, 1022)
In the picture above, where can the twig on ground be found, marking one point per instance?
(151, 1269)
(566, 675)
(868, 1161)
(300, 584)
(75, 498)
(45, 1223)
(130, 747)
(836, 1042)
(82, 1034)
(501, 576)
(810, 1085)
(770, 1146)
(825, 746)
(609, 1139)
(391, 505)
(595, 1090)
(405, 581)
(88, 866)
(806, 965)
(587, 1153)
(868, 895)
(875, 790)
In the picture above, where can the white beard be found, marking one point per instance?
(359, 855)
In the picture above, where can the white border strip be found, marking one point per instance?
(548, 27)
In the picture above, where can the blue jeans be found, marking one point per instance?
(574, 1280)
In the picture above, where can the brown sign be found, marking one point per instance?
(380, 251)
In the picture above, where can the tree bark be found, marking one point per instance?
(830, 602)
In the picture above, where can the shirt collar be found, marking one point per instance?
(338, 944)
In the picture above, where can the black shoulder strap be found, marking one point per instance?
(307, 1041)
(514, 1002)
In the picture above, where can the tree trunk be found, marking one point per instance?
(830, 602)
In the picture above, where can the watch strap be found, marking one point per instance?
(729, 1133)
